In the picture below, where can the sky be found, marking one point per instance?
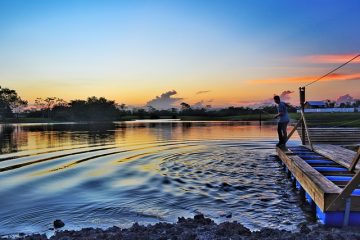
(205, 52)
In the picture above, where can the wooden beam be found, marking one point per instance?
(294, 129)
(339, 201)
(355, 161)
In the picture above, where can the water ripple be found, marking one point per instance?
(168, 174)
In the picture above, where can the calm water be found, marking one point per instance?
(115, 174)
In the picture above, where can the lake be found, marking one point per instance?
(100, 175)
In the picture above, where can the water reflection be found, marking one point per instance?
(114, 174)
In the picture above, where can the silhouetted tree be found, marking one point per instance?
(185, 106)
(10, 101)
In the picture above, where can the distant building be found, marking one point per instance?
(315, 104)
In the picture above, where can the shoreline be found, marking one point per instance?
(198, 227)
(314, 119)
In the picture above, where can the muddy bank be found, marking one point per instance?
(201, 228)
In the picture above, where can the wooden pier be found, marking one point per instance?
(332, 135)
(329, 177)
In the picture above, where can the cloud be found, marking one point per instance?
(165, 101)
(202, 92)
(345, 99)
(305, 79)
(330, 58)
(284, 96)
(201, 104)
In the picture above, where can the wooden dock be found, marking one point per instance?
(329, 177)
(331, 135)
(327, 174)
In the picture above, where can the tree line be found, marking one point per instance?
(102, 109)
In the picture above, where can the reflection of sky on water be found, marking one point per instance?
(19, 137)
(118, 173)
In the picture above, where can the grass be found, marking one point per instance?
(244, 117)
(331, 119)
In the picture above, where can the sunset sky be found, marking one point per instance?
(214, 52)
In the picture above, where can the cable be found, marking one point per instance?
(332, 71)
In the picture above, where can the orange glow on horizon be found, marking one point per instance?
(331, 58)
(304, 79)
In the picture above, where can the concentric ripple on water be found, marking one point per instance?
(116, 174)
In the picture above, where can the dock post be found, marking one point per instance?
(302, 104)
(347, 211)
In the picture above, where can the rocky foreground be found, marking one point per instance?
(200, 228)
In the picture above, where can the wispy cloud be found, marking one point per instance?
(202, 92)
(330, 58)
(331, 77)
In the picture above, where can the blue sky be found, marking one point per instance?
(131, 51)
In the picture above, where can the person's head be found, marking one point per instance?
(276, 99)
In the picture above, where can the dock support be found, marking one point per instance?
(345, 193)
(333, 203)
(355, 161)
(347, 211)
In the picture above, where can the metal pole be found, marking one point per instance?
(302, 104)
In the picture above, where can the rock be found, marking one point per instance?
(304, 229)
(188, 236)
(37, 237)
(198, 227)
(199, 218)
(232, 228)
(58, 223)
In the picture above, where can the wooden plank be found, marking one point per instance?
(338, 154)
(321, 190)
(324, 135)
(338, 128)
(334, 135)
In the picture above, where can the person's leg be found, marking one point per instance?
(284, 132)
(279, 130)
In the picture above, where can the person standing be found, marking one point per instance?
(282, 122)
